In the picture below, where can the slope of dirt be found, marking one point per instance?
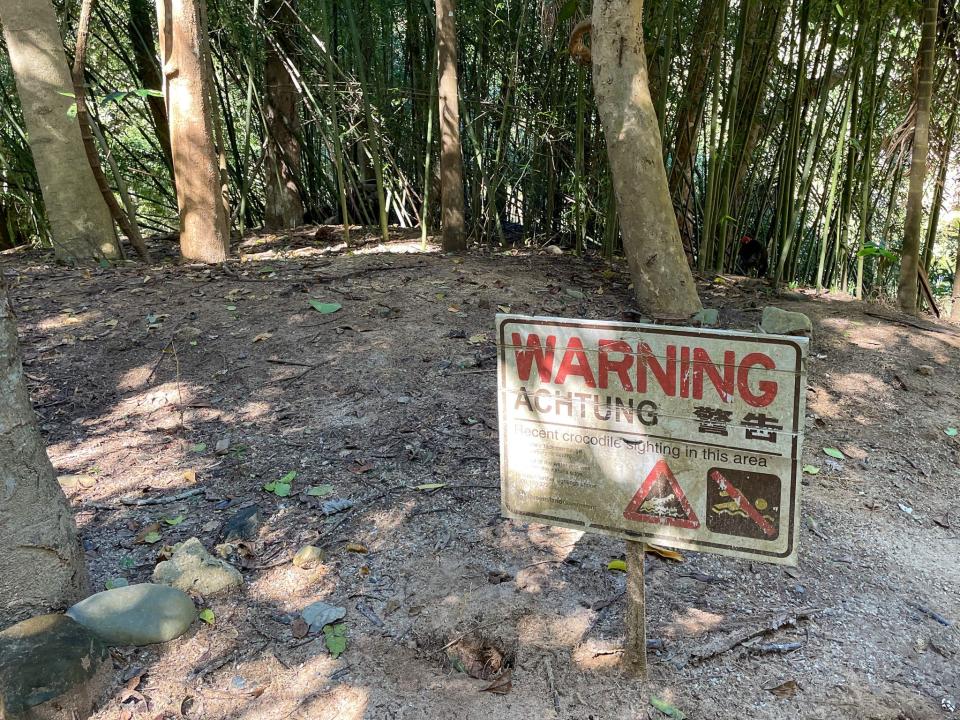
(137, 375)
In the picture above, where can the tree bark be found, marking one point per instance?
(910, 255)
(41, 562)
(140, 29)
(451, 154)
(184, 55)
(281, 167)
(80, 224)
(663, 282)
(955, 295)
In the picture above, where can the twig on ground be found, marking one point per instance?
(163, 499)
(552, 684)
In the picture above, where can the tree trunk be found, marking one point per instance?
(80, 224)
(955, 295)
(451, 154)
(910, 255)
(281, 166)
(184, 54)
(41, 562)
(663, 283)
(140, 29)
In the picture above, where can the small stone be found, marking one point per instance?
(318, 614)
(223, 444)
(925, 370)
(309, 557)
(243, 524)
(553, 250)
(51, 659)
(141, 614)
(783, 322)
(193, 569)
(708, 317)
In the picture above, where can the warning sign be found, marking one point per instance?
(661, 501)
(680, 436)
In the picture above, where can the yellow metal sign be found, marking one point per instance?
(680, 436)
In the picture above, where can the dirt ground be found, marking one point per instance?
(138, 374)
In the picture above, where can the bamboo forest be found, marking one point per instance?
(472, 359)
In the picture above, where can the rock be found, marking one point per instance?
(708, 317)
(243, 524)
(50, 666)
(783, 322)
(222, 446)
(141, 614)
(553, 250)
(193, 569)
(925, 370)
(318, 614)
(308, 557)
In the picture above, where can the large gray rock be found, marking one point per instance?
(51, 667)
(192, 569)
(141, 614)
(783, 322)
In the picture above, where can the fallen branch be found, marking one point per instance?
(163, 499)
(742, 634)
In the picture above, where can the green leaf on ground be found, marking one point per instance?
(320, 490)
(325, 308)
(335, 638)
(666, 708)
(207, 616)
(951, 432)
(289, 477)
(152, 538)
(811, 469)
(431, 486)
(834, 453)
(282, 489)
(617, 565)
(174, 520)
(198, 448)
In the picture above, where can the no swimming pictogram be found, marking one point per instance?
(661, 501)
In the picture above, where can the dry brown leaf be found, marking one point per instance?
(785, 690)
(359, 469)
(299, 628)
(262, 336)
(665, 553)
(356, 547)
(190, 475)
(502, 685)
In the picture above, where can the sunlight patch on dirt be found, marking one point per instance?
(693, 622)
(67, 321)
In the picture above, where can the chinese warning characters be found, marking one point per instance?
(679, 435)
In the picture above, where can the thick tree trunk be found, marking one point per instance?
(184, 55)
(281, 167)
(910, 255)
(80, 224)
(41, 562)
(140, 29)
(663, 283)
(451, 154)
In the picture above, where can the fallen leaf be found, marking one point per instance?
(325, 308)
(666, 708)
(665, 553)
(320, 490)
(335, 638)
(951, 432)
(174, 520)
(501, 685)
(834, 453)
(207, 616)
(477, 339)
(198, 447)
(299, 628)
(148, 534)
(356, 547)
(190, 476)
(262, 336)
(617, 565)
(785, 690)
(811, 469)
(359, 469)
(430, 486)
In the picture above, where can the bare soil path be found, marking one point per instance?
(137, 375)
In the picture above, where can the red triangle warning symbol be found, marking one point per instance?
(660, 500)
